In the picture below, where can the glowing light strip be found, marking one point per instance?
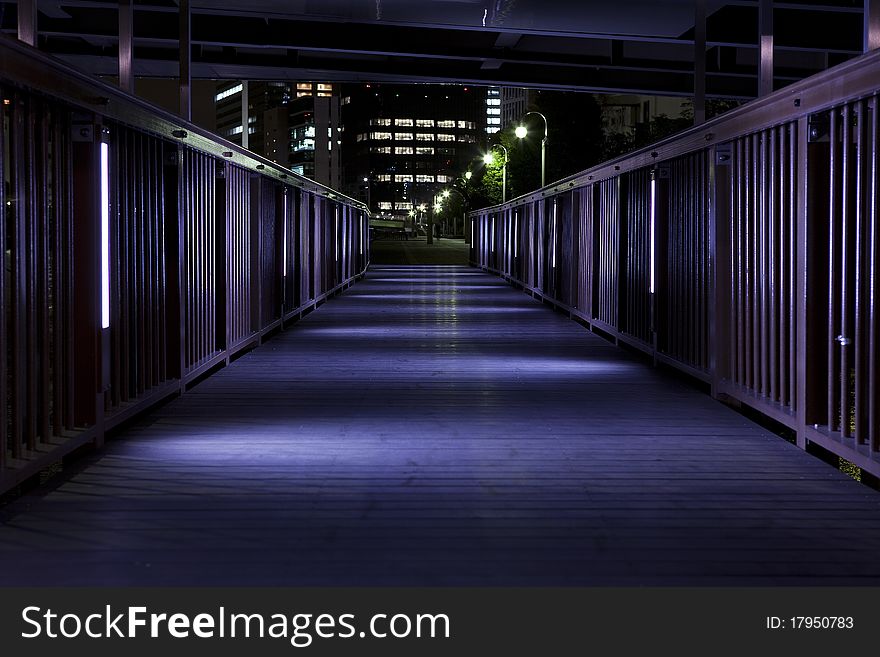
(361, 240)
(515, 234)
(553, 237)
(653, 211)
(105, 235)
(336, 240)
(284, 239)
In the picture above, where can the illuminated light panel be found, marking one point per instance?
(284, 240)
(336, 241)
(105, 235)
(652, 215)
(515, 233)
(553, 245)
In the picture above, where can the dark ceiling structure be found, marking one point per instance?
(639, 46)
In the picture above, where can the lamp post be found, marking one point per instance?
(521, 131)
(489, 158)
(367, 188)
(467, 205)
(429, 228)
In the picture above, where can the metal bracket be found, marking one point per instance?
(82, 132)
(819, 127)
(723, 155)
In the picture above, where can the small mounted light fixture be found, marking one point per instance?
(227, 153)
(180, 134)
(261, 167)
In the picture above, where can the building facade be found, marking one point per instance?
(404, 143)
(296, 124)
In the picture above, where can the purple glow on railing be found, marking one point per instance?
(105, 235)
(515, 233)
(284, 238)
(652, 210)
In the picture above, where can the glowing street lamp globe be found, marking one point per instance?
(488, 158)
(468, 174)
(521, 131)
(445, 193)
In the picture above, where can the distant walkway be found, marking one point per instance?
(417, 252)
(433, 426)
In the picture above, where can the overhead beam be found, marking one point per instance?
(126, 38)
(765, 47)
(699, 61)
(185, 59)
(872, 25)
(27, 21)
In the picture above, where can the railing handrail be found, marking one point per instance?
(27, 66)
(853, 79)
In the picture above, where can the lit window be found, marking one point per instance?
(424, 136)
(445, 137)
(384, 177)
(493, 92)
(227, 93)
(234, 131)
(381, 149)
(492, 130)
(466, 124)
(302, 145)
(494, 120)
(424, 178)
(380, 121)
(403, 122)
(307, 86)
(443, 179)
(385, 205)
(346, 100)
(493, 101)
(468, 139)
(325, 87)
(361, 136)
(403, 177)
(324, 94)
(446, 124)
(300, 94)
(405, 205)
(403, 150)
(403, 136)
(424, 123)
(424, 150)
(380, 135)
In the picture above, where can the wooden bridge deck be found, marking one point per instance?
(434, 426)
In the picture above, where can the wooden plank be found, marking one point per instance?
(435, 426)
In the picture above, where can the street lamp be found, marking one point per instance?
(367, 186)
(521, 132)
(468, 174)
(489, 158)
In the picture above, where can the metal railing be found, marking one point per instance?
(139, 252)
(743, 252)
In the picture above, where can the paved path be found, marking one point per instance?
(434, 426)
(419, 252)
